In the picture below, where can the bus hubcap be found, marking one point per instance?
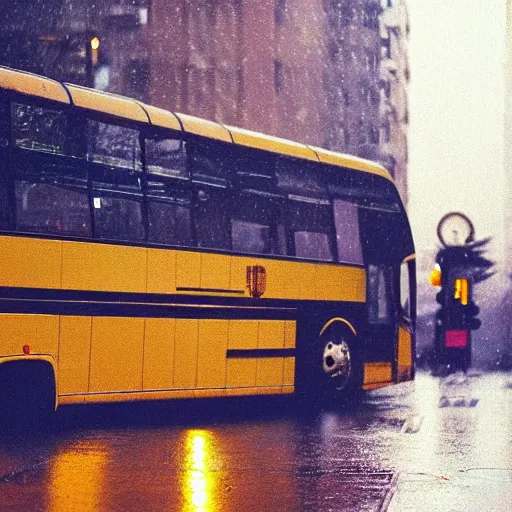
(336, 361)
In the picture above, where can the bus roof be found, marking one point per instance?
(352, 162)
(203, 127)
(269, 143)
(127, 108)
(107, 103)
(35, 85)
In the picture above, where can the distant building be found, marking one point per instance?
(255, 64)
(314, 71)
(352, 77)
(394, 112)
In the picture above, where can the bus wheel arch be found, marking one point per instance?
(28, 391)
(339, 356)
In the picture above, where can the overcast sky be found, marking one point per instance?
(456, 101)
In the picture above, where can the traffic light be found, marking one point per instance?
(470, 321)
(457, 315)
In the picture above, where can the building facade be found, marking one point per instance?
(394, 111)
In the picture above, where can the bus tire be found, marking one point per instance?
(27, 394)
(339, 367)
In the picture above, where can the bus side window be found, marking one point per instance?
(211, 175)
(309, 218)
(380, 296)
(116, 181)
(5, 204)
(207, 162)
(50, 191)
(257, 226)
(168, 195)
(38, 128)
(310, 224)
(257, 223)
(211, 218)
(405, 291)
(346, 220)
(114, 145)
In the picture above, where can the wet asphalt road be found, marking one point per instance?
(435, 445)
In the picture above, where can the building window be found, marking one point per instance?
(373, 61)
(278, 76)
(386, 128)
(371, 16)
(347, 13)
(386, 87)
(374, 96)
(374, 135)
(280, 12)
(386, 47)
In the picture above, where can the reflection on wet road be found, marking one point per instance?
(423, 446)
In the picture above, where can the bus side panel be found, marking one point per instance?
(335, 283)
(188, 270)
(116, 354)
(269, 371)
(215, 271)
(74, 354)
(161, 271)
(290, 337)
(185, 355)
(29, 262)
(211, 354)
(39, 332)
(243, 334)
(281, 276)
(158, 353)
(114, 268)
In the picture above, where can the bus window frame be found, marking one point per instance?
(94, 168)
(45, 159)
(181, 184)
(273, 219)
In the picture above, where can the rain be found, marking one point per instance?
(420, 88)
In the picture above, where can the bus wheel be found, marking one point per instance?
(340, 367)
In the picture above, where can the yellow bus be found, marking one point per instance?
(148, 255)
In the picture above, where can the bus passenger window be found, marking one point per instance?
(38, 128)
(211, 218)
(310, 222)
(256, 224)
(113, 145)
(207, 162)
(169, 223)
(313, 246)
(346, 220)
(117, 217)
(250, 237)
(166, 157)
(52, 204)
